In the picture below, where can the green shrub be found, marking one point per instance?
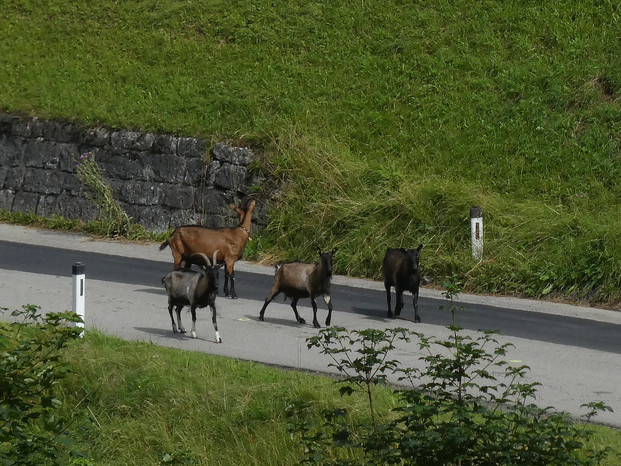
(33, 428)
(458, 411)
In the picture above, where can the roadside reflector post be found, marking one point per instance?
(476, 231)
(79, 282)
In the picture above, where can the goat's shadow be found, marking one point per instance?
(280, 321)
(168, 333)
(379, 316)
(158, 291)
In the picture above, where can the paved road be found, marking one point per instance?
(573, 351)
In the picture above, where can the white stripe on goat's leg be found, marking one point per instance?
(326, 298)
(215, 324)
(193, 334)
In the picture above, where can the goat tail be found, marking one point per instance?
(164, 244)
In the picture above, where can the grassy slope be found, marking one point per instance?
(391, 119)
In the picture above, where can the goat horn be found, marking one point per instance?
(215, 258)
(202, 258)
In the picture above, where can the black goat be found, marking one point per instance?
(195, 289)
(401, 270)
(302, 280)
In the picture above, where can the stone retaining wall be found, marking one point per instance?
(160, 180)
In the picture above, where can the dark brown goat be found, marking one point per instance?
(302, 280)
(401, 270)
(194, 289)
(229, 242)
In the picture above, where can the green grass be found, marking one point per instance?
(146, 402)
(389, 120)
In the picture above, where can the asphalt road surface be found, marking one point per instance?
(574, 352)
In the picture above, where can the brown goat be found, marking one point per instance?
(303, 280)
(229, 242)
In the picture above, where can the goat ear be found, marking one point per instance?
(319, 250)
(233, 206)
(334, 250)
(420, 246)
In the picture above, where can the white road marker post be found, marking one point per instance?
(79, 283)
(476, 232)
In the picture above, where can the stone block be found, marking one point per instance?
(231, 177)
(185, 217)
(211, 201)
(21, 127)
(57, 131)
(166, 168)
(11, 150)
(123, 141)
(14, 178)
(191, 147)
(138, 192)
(25, 202)
(155, 218)
(6, 199)
(41, 154)
(165, 143)
(195, 172)
(97, 137)
(43, 181)
(178, 197)
(224, 152)
(76, 208)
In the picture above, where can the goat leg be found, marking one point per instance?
(193, 309)
(315, 321)
(179, 324)
(229, 273)
(328, 301)
(399, 303)
(415, 303)
(172, 319)
(388, 299)
(215, 323)
(294, 303)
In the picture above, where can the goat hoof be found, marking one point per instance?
(219, 340)
(194, 335)
(182, 330)
(316, 325)
(417, 319)
(301, 321)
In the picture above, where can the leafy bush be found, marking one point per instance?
(458, 410)
(33, 428)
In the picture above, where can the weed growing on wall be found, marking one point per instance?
(466, 405)
(112, 218)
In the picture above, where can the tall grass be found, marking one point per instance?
(390, 119)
